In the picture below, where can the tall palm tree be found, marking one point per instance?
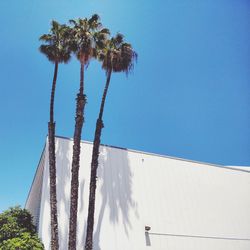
(57, 50)
(87, 35)
(116, 56)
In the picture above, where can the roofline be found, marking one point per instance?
(38, 165)
(163, 156)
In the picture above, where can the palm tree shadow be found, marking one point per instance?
(115, 180)
(64, 155)
(114, 191)
(63, 164)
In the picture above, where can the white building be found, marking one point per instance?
(188, 205)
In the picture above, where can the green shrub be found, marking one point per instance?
(24, 242)
(17, 231)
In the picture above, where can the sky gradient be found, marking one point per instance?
(189, 94)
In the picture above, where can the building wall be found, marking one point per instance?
(188, 205)
(33, 202)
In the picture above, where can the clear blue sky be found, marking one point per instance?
(189, 95)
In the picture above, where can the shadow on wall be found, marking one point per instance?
(147, 239)
(63, 181)
(116, 190)
(63, 164)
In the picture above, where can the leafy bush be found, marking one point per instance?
(17, 231)
(24, 242)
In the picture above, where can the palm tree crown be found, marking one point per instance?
(88, 36)
(58, 43)
(117, 55)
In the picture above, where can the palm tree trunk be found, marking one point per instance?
(94, 166)
(52, 167)
(79, 120)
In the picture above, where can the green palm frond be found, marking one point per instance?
(94, 21)
(58, 45)
(94, 18)
(117, 55)
(45, 37)
(105, 31)
(118, 39)
(88, 37)
(72, 21)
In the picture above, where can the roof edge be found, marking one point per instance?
(38, 165)
(163, 156)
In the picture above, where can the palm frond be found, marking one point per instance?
(119, 38)
(72, 21)
(105, 31)
(94, 18)
(88, 37)
(45, 37)
(118, 56)
(57, 47)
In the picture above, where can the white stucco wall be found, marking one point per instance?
(33, 201)
(188, 205)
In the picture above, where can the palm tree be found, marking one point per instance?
(87, 35)
(57, 50)
(117, 56)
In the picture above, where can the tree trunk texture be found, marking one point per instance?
(79, 120)
(94, 166)
(52, 168)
